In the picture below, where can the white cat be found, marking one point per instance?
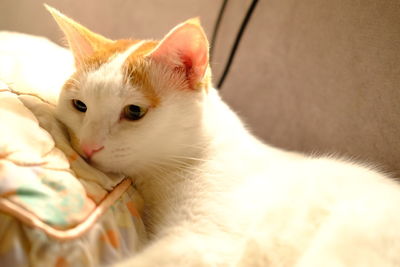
(214, 194)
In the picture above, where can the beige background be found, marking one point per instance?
(112, 18)
(322, 76)
(310, 75)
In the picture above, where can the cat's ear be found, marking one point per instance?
(81, 40)
(185, 46)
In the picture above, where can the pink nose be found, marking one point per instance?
(90, 149)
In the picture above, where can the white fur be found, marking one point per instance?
(217, 196)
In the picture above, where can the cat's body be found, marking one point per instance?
(214, 194)
(246, 204)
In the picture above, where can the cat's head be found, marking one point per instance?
(133, 104)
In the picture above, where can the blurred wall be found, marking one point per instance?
(114, 19)
(322, 76)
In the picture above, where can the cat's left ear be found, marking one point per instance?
(185, 46)
(81, 40)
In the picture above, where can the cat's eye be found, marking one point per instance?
(133, 112)
(79, 105)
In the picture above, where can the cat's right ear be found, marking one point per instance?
(185, 47)
(81, 40)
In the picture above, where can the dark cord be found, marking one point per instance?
(237, 39)
(216, 27)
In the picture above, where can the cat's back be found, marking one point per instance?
(323, 183)
(344, 179)
(321, 211)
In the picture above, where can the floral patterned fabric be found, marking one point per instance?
(55, 209)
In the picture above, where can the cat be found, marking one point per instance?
(215, 195)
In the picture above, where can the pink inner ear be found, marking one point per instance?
(80, 46)
(185, 46)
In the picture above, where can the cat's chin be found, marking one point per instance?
(101, 167)
(110, 170)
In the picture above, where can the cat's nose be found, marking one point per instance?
(90, 149)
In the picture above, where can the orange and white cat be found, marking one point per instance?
(214, 194)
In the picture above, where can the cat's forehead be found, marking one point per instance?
(118, 72)
(118, 52)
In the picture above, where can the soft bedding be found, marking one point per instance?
(55, 209)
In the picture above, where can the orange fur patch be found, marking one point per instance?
(137, 69)
(98, 58)
(103, 54)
